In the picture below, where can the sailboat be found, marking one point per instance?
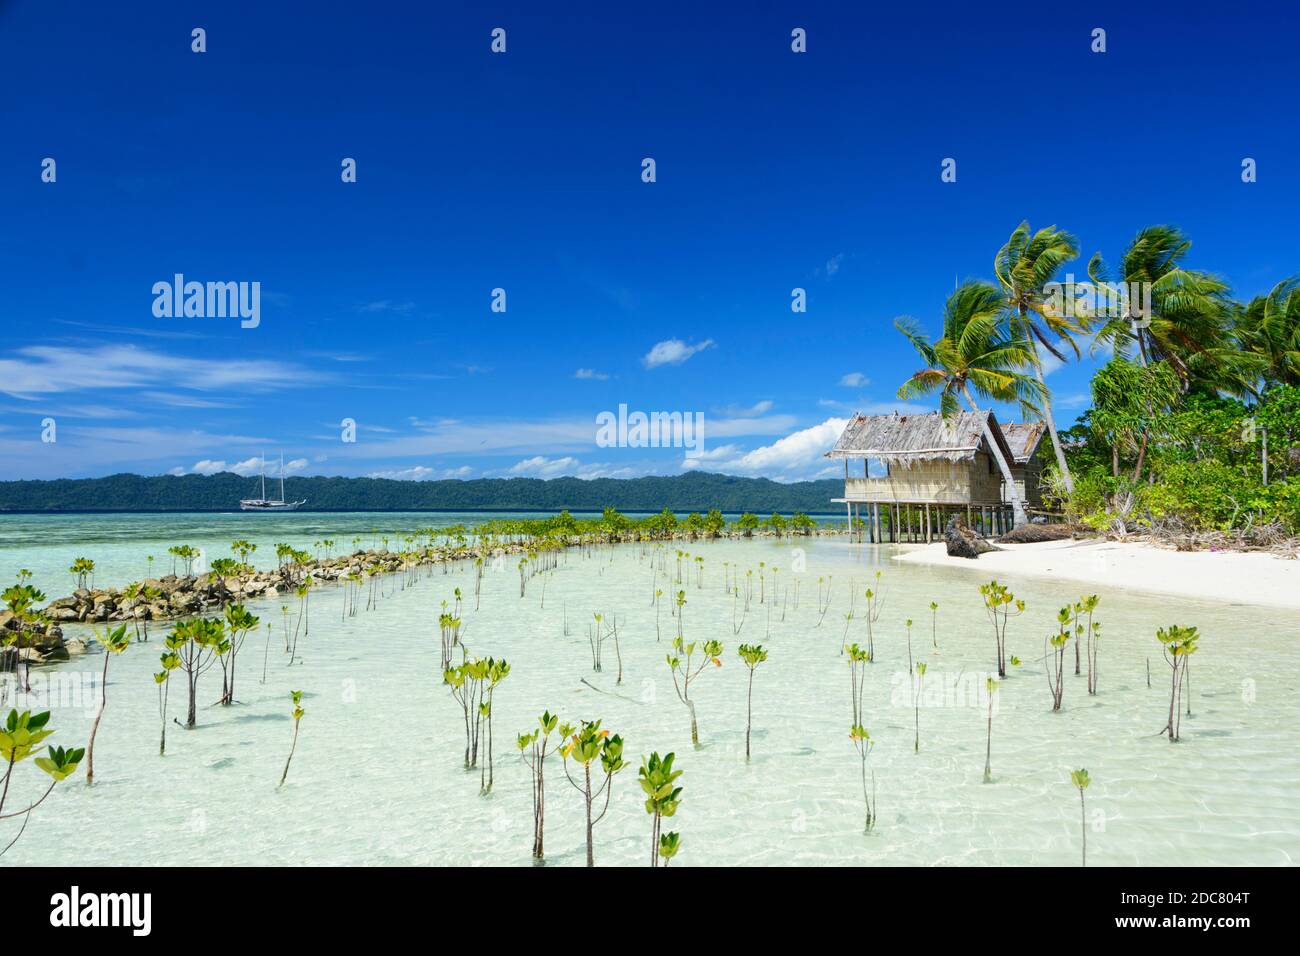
(266, 504)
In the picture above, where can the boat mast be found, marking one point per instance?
(263, 477)
(281, 475)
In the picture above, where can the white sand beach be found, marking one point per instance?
(1231, 576)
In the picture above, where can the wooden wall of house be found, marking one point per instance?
(986, 479)
(1029, 483)
(937, 482)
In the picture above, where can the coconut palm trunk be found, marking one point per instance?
(1050, 418)
(1017, 506)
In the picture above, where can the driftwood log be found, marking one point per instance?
(962, 542)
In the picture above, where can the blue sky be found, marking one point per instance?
(522, 171)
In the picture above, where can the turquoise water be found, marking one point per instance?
(120, 545)
(377, 774)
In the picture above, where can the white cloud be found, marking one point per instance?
(43, 370)
(673, 352)
(854, 380)
(741, 411)
(796, 457)
(184, 401)
(422, 473)
(249, 466)
(208, 467)
(833, 264)
(541, 467)
(414, 473)
(212, 466)
(590, 373)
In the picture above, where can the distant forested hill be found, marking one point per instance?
(692, 491)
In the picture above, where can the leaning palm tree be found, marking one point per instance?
(1189, 324)
(1269, 327)
(1025, 267)
(976, 355)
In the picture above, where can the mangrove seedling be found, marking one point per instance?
(113, 642)
(497, 671)
(303, 592)
(662, 797)
(669, 844)
(585, 747)
(824, 598)
(858, 661)
(681, 603)
(618, 651)
(875, 604)
(1091, 633)
(20, 738)
(449, 633)
(1178, 644)
(297, 718)
(240, 622)
(752, 655)
(170, 661)
(908, 625)
(535, 748)
(596, 639)
(466, 684)
(934, 624)
(920, 687)
(1081, 780)
(991, 686)
(82, 569)
(198, 643)
(864, 744)
(712, 654)
(1001, 605)
(1054, 659)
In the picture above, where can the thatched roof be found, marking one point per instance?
(903, 439)
(1023, 438)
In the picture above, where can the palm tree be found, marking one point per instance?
(1189, 323)
(1269, 326)
(1025, 266)
(975, 354)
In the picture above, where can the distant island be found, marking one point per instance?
(691, 491)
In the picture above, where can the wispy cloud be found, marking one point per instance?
(854, 380)
(674, 352)
(44, 370)
(746, 411)
(185, 401)
(387, 305)
(590, 373)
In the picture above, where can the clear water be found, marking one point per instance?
(377, 776)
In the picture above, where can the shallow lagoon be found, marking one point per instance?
(377, 777)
